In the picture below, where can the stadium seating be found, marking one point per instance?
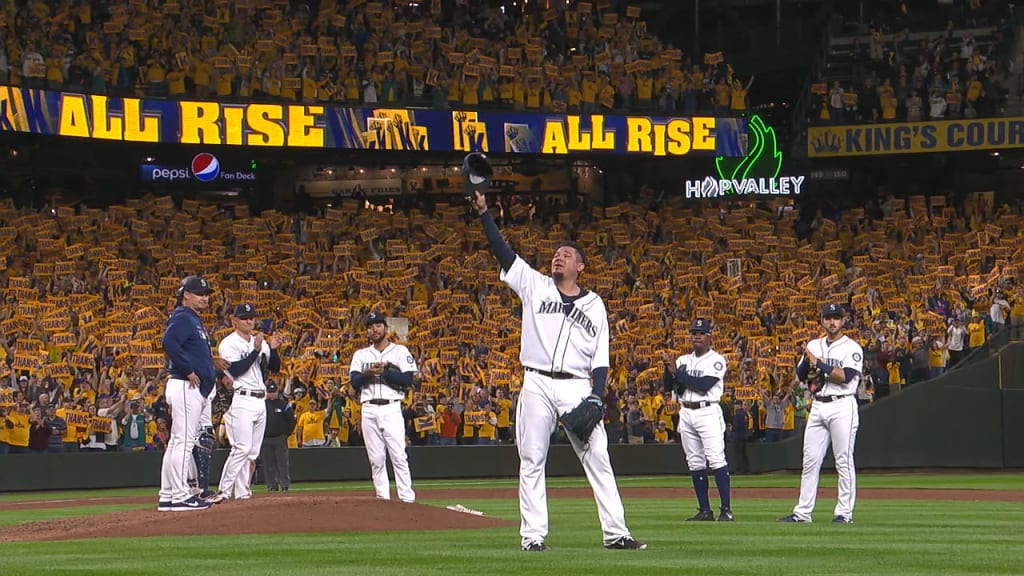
(582, 56)
(896, 73)
(760, 272)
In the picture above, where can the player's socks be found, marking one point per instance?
(722, 482)
(700, 486)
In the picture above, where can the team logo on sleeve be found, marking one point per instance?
(719, 366)
(856, 357)
(408, 359)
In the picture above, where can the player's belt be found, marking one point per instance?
(696, 405)
(253, 393)
(554, 375)
(380, 402)
(827, 399)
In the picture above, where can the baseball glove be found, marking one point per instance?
(582, 419)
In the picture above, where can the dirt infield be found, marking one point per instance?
(298, 512)
(267, 515)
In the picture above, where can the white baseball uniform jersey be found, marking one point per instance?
(566, 340)
(383, 425)
(834, 418)
(702, 429)
(246, 418)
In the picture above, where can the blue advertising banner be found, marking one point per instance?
(316, 126)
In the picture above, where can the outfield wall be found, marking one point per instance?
(971, 418)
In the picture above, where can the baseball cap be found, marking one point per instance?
(477, 171)
(271, 387)
(832, 310)
(245, 311)
(701, 325)
(196, 285)
(22, 377)
(374, 318)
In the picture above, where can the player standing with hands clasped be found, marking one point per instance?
(835, 363)
(193, 373)
(564, 350)
(381, 373)
(246, 419)
(696, 378)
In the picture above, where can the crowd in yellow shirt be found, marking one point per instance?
(573, 56)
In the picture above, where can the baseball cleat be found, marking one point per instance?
(792, 518)
(217, 498)
(245, 496)
(726, 515)
(206, 494)
(535, 546)
(842, 520)
(164, 506)
(626, 543)
(192, 503)
(702, 516)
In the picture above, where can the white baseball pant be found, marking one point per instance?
(384, 435)
(837, 422)
(188, 407)
(541, 401)
(245, 422)
(702, 431)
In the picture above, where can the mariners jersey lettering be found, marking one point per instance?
(843, 353)
(376, 388)
(233, 348)
(558, 337)
(710, 363)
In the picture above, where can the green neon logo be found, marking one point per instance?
(763, 159)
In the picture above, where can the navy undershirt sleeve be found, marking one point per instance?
(242, 366)
(500, 248)
(359, 380)
(274, 365)
(600, 378)
(398, 379)
(850, 373)
(802, 369)
(700, 384)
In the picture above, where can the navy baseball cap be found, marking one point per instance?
(374, 318)
(701, 325)
(245, 311)
(271, 387)
(196, 285)
(832, 310)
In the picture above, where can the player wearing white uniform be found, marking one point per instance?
(833, 365)
(564, 346)
(382, 372)
(246, 418)
(696, 380)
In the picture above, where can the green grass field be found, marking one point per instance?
(889, 537)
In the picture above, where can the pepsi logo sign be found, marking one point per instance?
(205, 167)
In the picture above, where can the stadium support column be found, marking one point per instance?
(696, 27)
(778, 23)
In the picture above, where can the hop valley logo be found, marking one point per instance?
(755, 173)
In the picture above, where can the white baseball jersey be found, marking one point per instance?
(233, 348)
(710, 363)
(843, 353)
(552, 340)
(376, 388)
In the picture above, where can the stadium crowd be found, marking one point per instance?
(87, 292)
(905, 70)
(576, 56)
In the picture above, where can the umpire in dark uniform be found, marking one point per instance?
(274, 452)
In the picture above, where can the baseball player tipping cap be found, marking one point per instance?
(374, 318)
(245, 311)
(196, 285)
(832, 310)
(700, 325)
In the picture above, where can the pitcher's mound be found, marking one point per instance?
(260, 515)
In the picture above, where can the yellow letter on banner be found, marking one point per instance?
(302, 129)
(104, 125)
(554, 138)
(73, 118)
(199, 122)
(138, 127)
(265, 122)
